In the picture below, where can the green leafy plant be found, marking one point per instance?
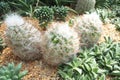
(60, 13)
(23, 7)
(106, 3)
(116, 78)
(107, 56)
(90, 64)
(104, 15)
(84, 67)
(57, 2)
(116, 22)
(44, 15)
(12, 72)
(4, 8)
(109, 10)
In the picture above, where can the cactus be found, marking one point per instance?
(44, 15)
(60, 13)
(60, 43)
(12, 72)
(23, 38)
(84, 5)
(89, 29)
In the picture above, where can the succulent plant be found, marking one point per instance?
(89, 29)
(23, 38)
(81, 68)
(60, 13)
(84, 5)
(44, 15)
(12, 72)
(116, 22)
(104, 15)
(4, 8)
(60, 43)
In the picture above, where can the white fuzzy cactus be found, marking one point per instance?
(60, 43)
(84, 5)
(89, 29)
(23, 38)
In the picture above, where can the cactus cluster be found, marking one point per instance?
(11, 72)
(60, 43)
(60, 13)
(23, 38)
(44, 15)
(57, 44)
(84, 5)
(89, 29)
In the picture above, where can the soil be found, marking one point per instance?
(38, 70)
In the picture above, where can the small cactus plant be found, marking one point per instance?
(84, 5)
(44, 15)
(60, 13)
(60, 43)
(23, 38)
(89, 29)
(12, 72)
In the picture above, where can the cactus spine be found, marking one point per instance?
(60, 43)
(89, 29)
(23, 38)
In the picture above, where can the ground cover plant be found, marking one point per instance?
(12, 72)
(109, 11)
(94, 64)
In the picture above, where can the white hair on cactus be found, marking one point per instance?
(89, 29)
(23, 38)
(14, 20)
(60, 43)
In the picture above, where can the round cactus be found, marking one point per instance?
(44, 15)
(84, 5)
(60, 43)
(89, 29)
(23, 38)
(60, 13)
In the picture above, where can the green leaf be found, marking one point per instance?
(22, 74)
(3, 78)
(64, 75)
(78, 70)
(102, 77)
(18, 68)
(115, 73)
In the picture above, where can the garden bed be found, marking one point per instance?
(38, 70)
(44, 35)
